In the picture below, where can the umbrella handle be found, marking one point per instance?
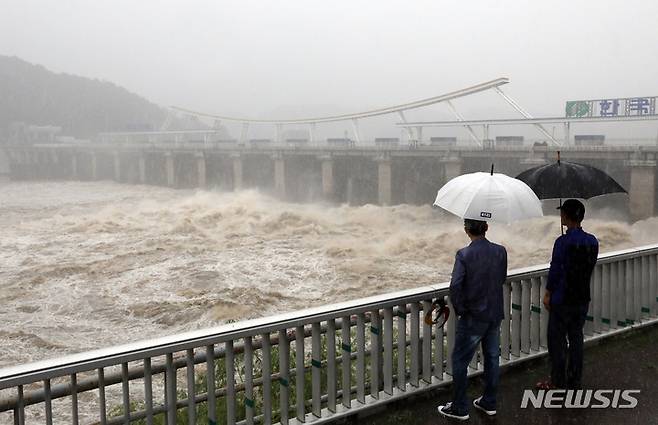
(561, 227)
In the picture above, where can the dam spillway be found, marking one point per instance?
(354, 175)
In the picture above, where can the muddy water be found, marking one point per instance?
(89, 265)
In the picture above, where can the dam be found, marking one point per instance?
(381, 175)
(298, 270)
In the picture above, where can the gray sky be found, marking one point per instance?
(280, 58)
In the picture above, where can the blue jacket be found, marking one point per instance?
(476, 287)
(572, 263)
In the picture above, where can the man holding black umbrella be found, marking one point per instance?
(567, 297)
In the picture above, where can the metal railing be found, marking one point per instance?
(314, 365)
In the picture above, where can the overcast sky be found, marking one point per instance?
(273, 59)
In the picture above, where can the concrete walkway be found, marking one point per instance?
(627, 361)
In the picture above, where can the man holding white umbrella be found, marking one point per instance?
(476, 292)
(480, 270)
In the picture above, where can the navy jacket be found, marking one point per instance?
(574, 258)
(476, 287)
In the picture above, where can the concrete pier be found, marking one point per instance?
(327, 177)
(141, 165)
(358, 176)
(117, 166)
(94, 166)
(5, 165)
(642, 191)
(170, 169)
(74, 166)
(237, 172)
(201, 169)
(280, 176)
(384, 180)
(452, 167)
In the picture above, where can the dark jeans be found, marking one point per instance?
(565, 322)
(469, 333)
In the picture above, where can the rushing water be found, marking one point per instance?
(88, 265)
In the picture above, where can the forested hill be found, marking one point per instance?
(81, 106)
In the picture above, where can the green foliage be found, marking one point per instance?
(83, 107)
(276, 386)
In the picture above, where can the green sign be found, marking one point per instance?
(577, 109)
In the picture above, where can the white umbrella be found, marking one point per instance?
(489, 197)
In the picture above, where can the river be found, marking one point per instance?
(85, 265)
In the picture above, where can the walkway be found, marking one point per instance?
(607, 366)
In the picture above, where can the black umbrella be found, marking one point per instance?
(565, 179)
(569, 180)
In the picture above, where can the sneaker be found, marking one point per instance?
(477, 404)
(449, 412)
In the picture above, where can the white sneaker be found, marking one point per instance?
(477, 404)
(448, 411)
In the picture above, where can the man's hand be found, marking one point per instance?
(547, 300)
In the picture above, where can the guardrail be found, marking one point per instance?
(314, 365)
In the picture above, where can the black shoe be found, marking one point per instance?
(477, 404)
(449, 412)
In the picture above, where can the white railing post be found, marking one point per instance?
(402, 347)
(360, 360)
(249, 380)
(621, 293)
(331, 365)
(535, 312)
(526, 289)
(645, 305)
(284, 376)
(300, 370)
(388, 350)
(613, 277)
(427, 344)
(605, 297)
(438, 352)
(596, 298)
(346, 337)
(266, 371)
(48, 402)
(543, 315)
(316, 369)
(637, 289)
(516, 319)
(414, 336)
(630, 298)
(375, 353)
(230, 384)
(506, 323)
(210, 387)
(653, 294)
(191, 398)
(74, 399)
(450, 338)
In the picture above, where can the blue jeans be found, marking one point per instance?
(470, 332)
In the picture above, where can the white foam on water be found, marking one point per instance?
(90, 265)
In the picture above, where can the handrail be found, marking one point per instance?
(624, 295)
(14, 375)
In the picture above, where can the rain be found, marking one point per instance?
(167, 167)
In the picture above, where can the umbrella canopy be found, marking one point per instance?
(569, 180)
(489, 197)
